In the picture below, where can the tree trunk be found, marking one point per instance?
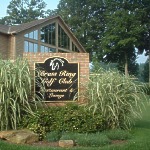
(126, 65)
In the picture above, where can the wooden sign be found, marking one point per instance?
(60, 79)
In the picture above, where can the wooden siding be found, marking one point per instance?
(4, 46)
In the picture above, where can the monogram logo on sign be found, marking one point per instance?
(56, 63)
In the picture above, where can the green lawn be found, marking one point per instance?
(140, 139)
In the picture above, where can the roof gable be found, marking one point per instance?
(22, 27)
(25, 26)
(18, 28)
(4, 29)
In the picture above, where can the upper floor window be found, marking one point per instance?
(43, 39)
(48, 34)
(32, 35)
(63, 39)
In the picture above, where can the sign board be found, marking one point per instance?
(59, 77)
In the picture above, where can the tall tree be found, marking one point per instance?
(121, 33)
(86, 20)
(22, 11)
(111, 23)
(144, 40)
(146, 71)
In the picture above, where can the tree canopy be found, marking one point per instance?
(86, 20)
(22, 11)
(111, 30)
(121, 33)
(108, 29)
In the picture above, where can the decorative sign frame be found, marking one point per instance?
(59, 78)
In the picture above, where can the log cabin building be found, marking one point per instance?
(43, 39)
(49, 35)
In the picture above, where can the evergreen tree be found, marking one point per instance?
(121, 34)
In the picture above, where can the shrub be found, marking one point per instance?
(118, 134)
(15, 92)
(91, 140)
(70, 118)
(116, 97)
(77, 119)
(71, 136)
(53, 136)
(146, 89)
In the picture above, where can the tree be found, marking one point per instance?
(22, 11)
(86, 20)
(3, 20)
(144, 40)
(121, 33)
(111, 23)
(50, 12)
(146, 71)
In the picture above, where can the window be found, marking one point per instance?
(35, 34)
(43, 39)
(45, 49)
(35, 48)
(26, 35)
(26, 46)
(63, 39)
(30, 47)
(74, 48)
(32, 35)
(62, 51)
(48, 34)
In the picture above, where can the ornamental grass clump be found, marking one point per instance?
(15, 92)
(116, 97)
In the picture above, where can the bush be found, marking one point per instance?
(15, 92)
(89, 140)
(71, 136)
(116, 97)
(53, 136)
(70, 118)
(146, 89)
(93, 140)
(118, 134)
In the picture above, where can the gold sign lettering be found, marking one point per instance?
(52, 95)
(56, 90)
(43, 73)
(65, 81)
(49, 82)
(65, 73)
